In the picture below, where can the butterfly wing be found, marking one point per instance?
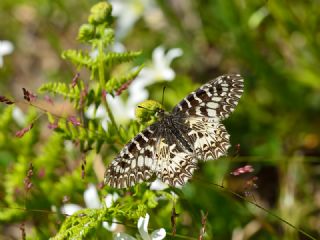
(211, 139)
(204, 109)
(135, 163)
(214, 100)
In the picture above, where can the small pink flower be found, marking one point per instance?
(242, 170)
(53, 126)
(23, 131)
(75, 122)
(48, 99)
(29, 96)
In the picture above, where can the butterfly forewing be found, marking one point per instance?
(136, 161)
(171, 148)
(215, 99)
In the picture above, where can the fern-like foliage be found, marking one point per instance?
(99, 62)
(86, 222)
(81, 224)
(114, 58)
(62, 89)
(80, 58)
(114, 85)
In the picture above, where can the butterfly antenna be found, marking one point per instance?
(144, 108)
(164, 88)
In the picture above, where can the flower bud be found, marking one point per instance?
(86, 32)
(100, 13)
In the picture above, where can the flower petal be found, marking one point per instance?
(110, 227)
(90, 113)
(158, 234)
(118, 108)
(118, 47)
(137, 93)
(158, 185)
(70, 208)
(18, 116)
(143, 227)
(168, 74)
(173, 53)
(91, 197)
(6, 47)
(110, 199)
(158, 56)
(101, 112)
(127, 15)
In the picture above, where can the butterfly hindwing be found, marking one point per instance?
(175, 161)
(210, 139)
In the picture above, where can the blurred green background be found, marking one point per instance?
(275, 45)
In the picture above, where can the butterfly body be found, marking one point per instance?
(171, 147)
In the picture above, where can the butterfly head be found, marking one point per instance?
(149, 112)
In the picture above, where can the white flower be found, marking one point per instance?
(143, 230)
(91, 197)
(6, 47)
(158, 185)
(19, 116)
(70, 208)
(128, 12)
(91, 200)
(120, 110)
(158, 70)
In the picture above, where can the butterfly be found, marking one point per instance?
(171, 148)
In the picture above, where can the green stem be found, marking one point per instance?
(102, 84)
